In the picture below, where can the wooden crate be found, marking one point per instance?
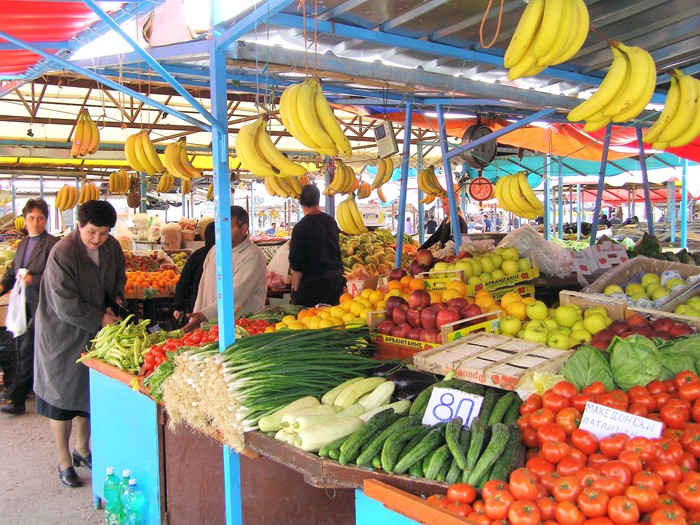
(487, 322)
(438, 284)
(490, 359)
(616, 308)
(525, 290)
(654, 314)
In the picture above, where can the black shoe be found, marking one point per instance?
(69, 477)
(85, 460)
(11, 408)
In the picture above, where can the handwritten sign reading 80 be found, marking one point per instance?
(446, 403)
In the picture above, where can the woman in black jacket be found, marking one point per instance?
(188, 284)
(443, 234)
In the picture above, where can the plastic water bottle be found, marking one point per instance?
(123, 485)
(112, 494)
(134, 503)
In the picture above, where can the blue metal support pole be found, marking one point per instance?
(421, 207)
(579, 211)
(547, 197)
(671, 207)
(645, 182)
(259, 15)
(408, 123)
(143, 187)
(446, 155)
(601, 184)
(684, 204)
(560, 197)
(13, 195)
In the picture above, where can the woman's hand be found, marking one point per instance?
(195, 319)
(108, 318)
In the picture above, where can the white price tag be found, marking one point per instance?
(447, 403)
(603, 421)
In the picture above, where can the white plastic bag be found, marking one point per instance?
(279, 263)
(552, 260)
(16, 320)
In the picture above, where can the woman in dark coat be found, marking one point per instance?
(188, 284)
(81, 269)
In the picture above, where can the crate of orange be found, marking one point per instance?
(163, 282)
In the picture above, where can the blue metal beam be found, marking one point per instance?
(601, 183)
(446, 166)
(645, 182)
(408, 123)
(684, 204)
(251, 21)
(6, 46)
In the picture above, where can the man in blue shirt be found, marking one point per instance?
(487, 223)
(271, 229)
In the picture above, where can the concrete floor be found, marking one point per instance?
(30, 491)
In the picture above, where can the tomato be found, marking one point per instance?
(541, 416)
(439, 500)
(458, 508)
(667, 502)
(532, 453)
(672, 434)
(550, 432)
(529, 438)
(478, 518)
(611, 486)
(680, 403)
(149, 360)
(690, 441)
(661, 399)
(695, 476)
(554, 451)
(567, 513)
(555, 402)
(609, 399)
(689, 495)
(672, 489)
(524, 512)
(689, 391)
(670, 386)
(479, 507)
(462, 492)
(646, 498)
(695, 411)
(539, 466)
(546, 506)
(596, 388)
(579, 401)
(644, 447)
(566, 389)
(685, 377)
(669, 450)
(637, 409)
(667, 470)
(603, 520)
(688, 462)
(612, 445)
(497, 506)
(578, 454)
(523, 422)
(584, 441)
(646, 478)
(523, 484)
(492, 486)
(656, 387)
(569, 466)
(160, 359)
(569, 419)
(631, 460)
(667, 517)
(586, 476)
(596, 460)
(623, 510)
(617, 469)
(593, 503)
(532, 403)
(567, 488)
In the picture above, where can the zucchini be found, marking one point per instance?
(285, 436)
(351, 448)
(453, 473)
(352, 393)
(506, 463)
(305, 421)
(312, 439)
(430, 442)
(400, 407)
(272, 422)
(452, 433)
(330, 396)
(496, 446)
(392, 446)
(374, 446)
(513, 412)
(478, 436)
(377, 462)
(379, 396)
(335, 444)
(499, 410)
(438, 458)
(489, 402)
(316, 410)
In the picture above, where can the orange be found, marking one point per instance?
(345, 297)
(394, 285)
(517, 310)
(459, 286)
(483, 293)
(451, 294)
(510, 297)
(405, 280)
(416, 284)
(435, 297)
(485, 302)
(528, 300)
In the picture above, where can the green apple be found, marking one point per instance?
(524, 264)
(487, 264)
(510, 267)
(640, 295)
(536, 324)
(566, 315)
(580, 336)
(563, 330)
(651, 287)
(510, 325)
(473, 280)
(551, 323)
(536, 310)
(673, 282)
(694, 302)
(485, 276)
(477, 266)
(578, 325)
(465, 265)
(649, 278)
(634, 288)
(498, 274)
(510, 254)
(561, 341)
(595, 310)
(497, 260)
(684, 309)
(594, 323)
(613, 288)
(660, 292)
(439, 269)
(535, 336)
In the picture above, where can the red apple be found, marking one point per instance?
(471, 310)
(385, 327)
(414, 333)
(401, 330)
(458, 303)
(417, 269)
(400, 314)
(464, 254)
(605, 333)
(659, 334)
(424, 258)
(637, 320)
(392, 302)
(600, 344)
(679, 330)
(427, 317)
(418, 298)
(446, 316)
(619, 327)
(439, 306)
(413, 316)
(450, 258)
(643, 329)
(430, 335)
(397, 273)
(662, 324)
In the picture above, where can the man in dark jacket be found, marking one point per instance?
(188, 284)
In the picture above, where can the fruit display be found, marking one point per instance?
(119, 182)
(679, 121)
(350, 218)
(649, 246)
(385, 169)
(367, 254)
(344, 181)
(549, 32)
(647, 289)
(285, 187)
(260, 156)
(690, 308)
(88, 192)
(428, 184)
(151, 283)
(306, 114)
(514, 194)
(86, 138)
(178, 163)
(624, 92)
(66, 198)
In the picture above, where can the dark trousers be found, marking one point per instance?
(319, 291)
(24, 368)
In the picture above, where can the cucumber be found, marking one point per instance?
(490, 398)
(377, 462)
(465, 435)
(444, 469)
(272, 422)
(330, 396)
(434, 439)
(415, 470)
(478, 435)
(437, 460)
(351, 448)
(374, 446)
(416, 439)
(331, 446)
(452, 433)
(392, 446)
(453, 473)
(513, 412)
(496, 446)
(506, 463)
(502, 405)
(334, 453)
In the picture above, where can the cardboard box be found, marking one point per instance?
(438, 284)
(634, 268)
(490, 359)
(616, 308)
(356, 287)
(507, 281)
(525, 290)
(600, 257)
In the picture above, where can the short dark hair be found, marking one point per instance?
(36, 204)
(209, 234)
(310, 196)
(240, 215)
(97, 213)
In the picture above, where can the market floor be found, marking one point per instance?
(30, 491)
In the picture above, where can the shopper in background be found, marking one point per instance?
(431, 225)
(83, 269)
(314, 254)
(408, 228)
(188, 284)
(27, 268)
(249, 275)
(488, 225)
(444, 232)
(271, 230)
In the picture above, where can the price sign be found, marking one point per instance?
(603, 421)
(447, 403)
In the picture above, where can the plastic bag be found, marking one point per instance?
(551, 259)
(122, 233)
(16, 320)
(279, 263)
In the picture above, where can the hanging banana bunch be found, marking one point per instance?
(385, 169)
(141, 154)
(344, 180)
(165, 183)
(349, 217)
(285, 187)
(185, 186)
(210, 191)
(178, 163)
(19, 223)
(89, 192)
(514, 194)
(86, 137)
(119, 182)
(66, 198)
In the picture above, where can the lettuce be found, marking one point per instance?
(587, 366)
(634, 361)
(679, 354)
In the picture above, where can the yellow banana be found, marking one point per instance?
(140, 153)
(173, 162)
(563, 32)
(389, 169)
(210, 192)
(190, 170)
(356, 215)
(380, 194)
(431, 180)
(350, 179)
(547, 34)
(671, 105)
(527, 191)
(83, 194)
(94, 138)
(524, 33)
(123, 181)
(579, 32)
(77, 137)
(308, 117)
(596, 122)
(279, 190)
(693, 129)
(61, 198)
(268, 186)
(87, 135)
(687, 104)
(185, 186)
(151, 154)
(519, 199)
(381, 173)
(640, 88)
(275, 157)
(427, 199)
(290, 118)
(338, 181)
(247, 149)
(649, 86)
(296, 186)
(526, 65)
(19, 223)
(330, 124)
(130, 153)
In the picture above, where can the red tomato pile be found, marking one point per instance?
(157, 354)
(572, 478)
(255, 327)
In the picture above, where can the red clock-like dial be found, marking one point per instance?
(481, 189)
